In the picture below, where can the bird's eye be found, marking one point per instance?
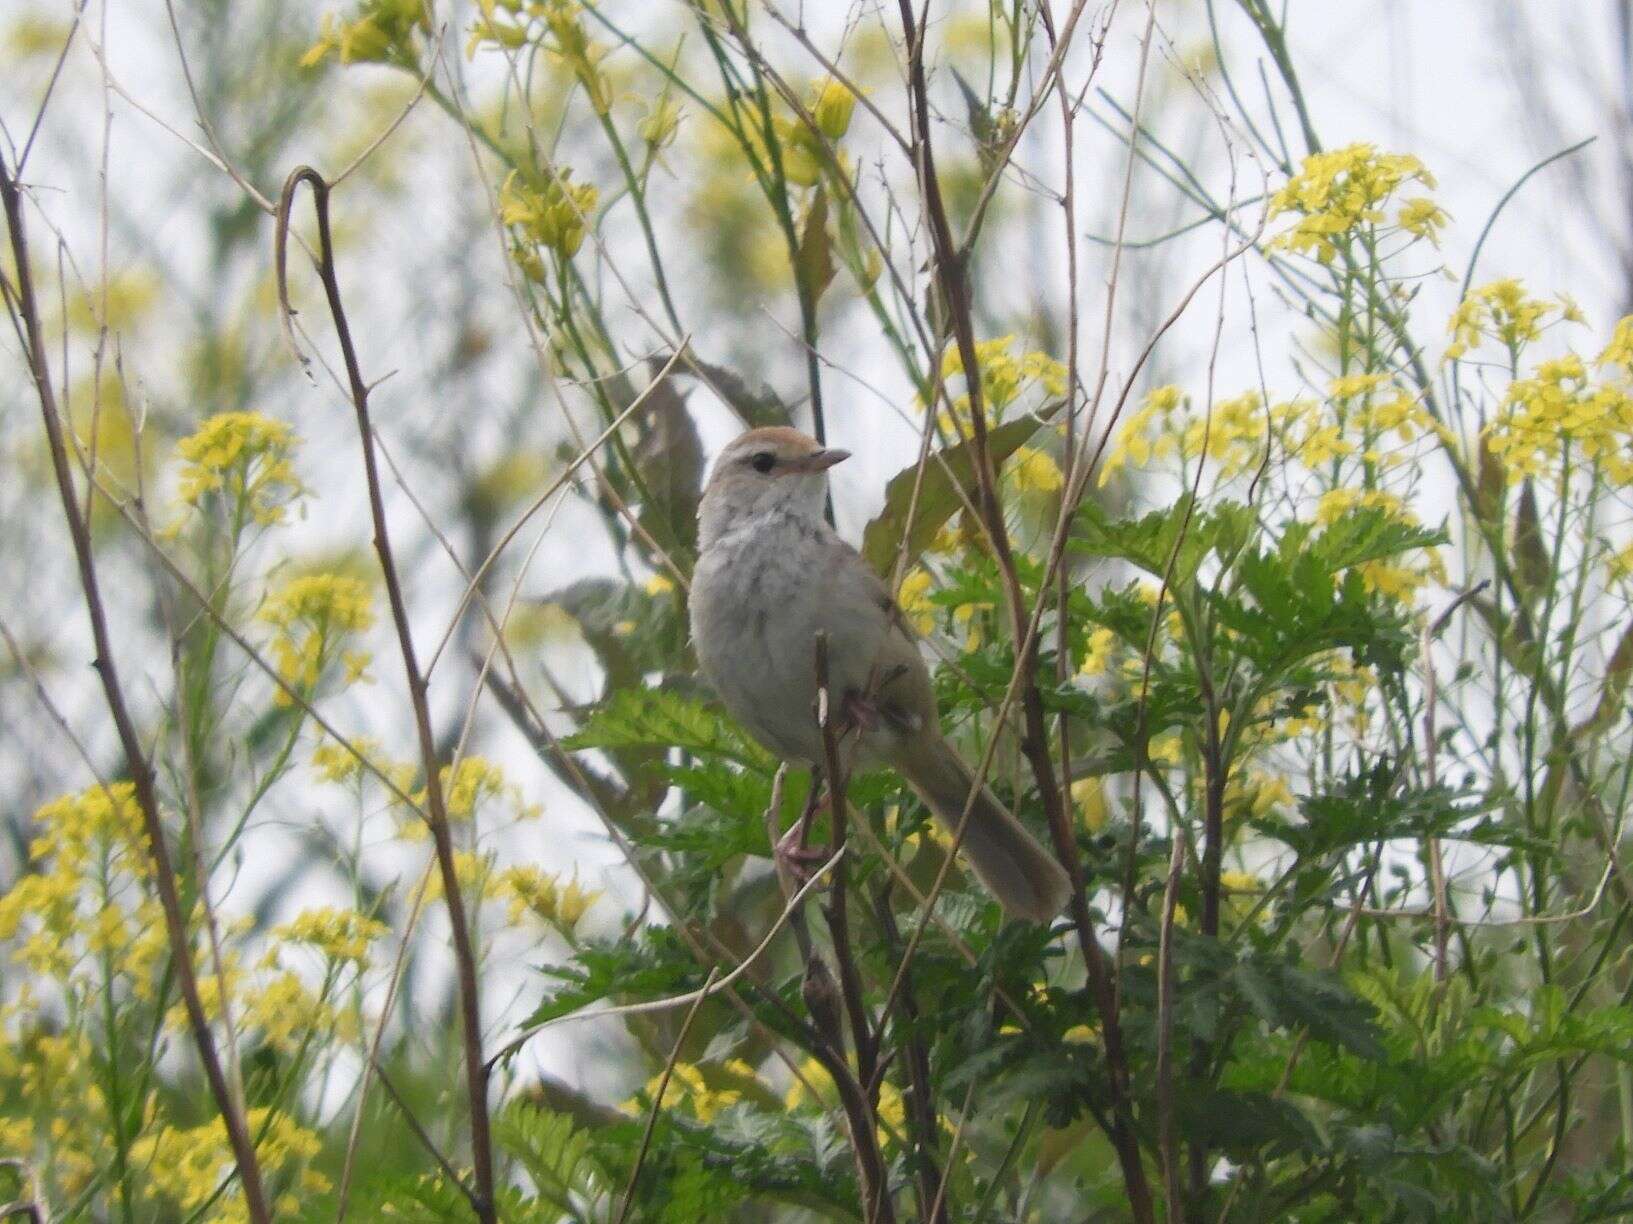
(763, 461)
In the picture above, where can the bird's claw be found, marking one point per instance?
(795, 861)
(859, 711)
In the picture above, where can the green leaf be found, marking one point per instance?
(1284, 996)
(1243, 1125)
(938, 498)
(814, 261)
(662, 719)
(555, 1153)
(1149, 541)
(653, 966)
(1365, 534)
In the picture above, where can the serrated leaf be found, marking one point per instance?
(555, 1153)
(662, 719)
(1287, 997)
(1149, 542)
(938, 498)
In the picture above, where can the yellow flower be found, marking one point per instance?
(1164, 750)
(314, 615)
(659, 585)
(831, 106)
(550, 209)
(537, 892)
(336, 763)
(342, 935)
(1004, 376)
(1102, 642)
(1422, 217)
(381, 32)
(187, 1166)
(661, 123)
(892, 1113)
(245, 456)
(1089, 796)
(1337, 191)
(1561, 407)
(688, 1085)
(914, 601)
(1500, 310)
(1034, 471)
(1619, 352)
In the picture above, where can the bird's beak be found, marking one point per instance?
(822, 460)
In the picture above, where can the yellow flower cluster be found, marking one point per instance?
(313, 614)
(1335, 193)
(1098, 655)
(1089, 797)
(86, 892)
(892, 1111)
(471, 782)
(186, 1167)
(334, 763)
(507, 26)
(913, 599)
(689, 1085)
(1502, 311)
(536, 892)
(1164, 427)
(1031, 470)
(549, 210)
(56, 1075)
(245, 456)
(380, 31)
(1004, 376)
(340, 935)
(478, 881)
(916, 605)
(1560, 411)
(1360, 414)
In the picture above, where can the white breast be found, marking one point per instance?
(759, 595)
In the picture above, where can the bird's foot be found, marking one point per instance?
(795, 861)
(859, 711)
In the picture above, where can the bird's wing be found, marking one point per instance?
(899, 681)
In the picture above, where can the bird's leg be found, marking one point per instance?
(860, 711)
(794, 858)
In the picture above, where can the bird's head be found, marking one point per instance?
(764, 470)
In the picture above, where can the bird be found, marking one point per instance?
(771, 575)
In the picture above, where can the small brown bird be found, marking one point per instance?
(772, 574)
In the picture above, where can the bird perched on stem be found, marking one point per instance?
(771, 576)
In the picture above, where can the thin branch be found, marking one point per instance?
(141, 770)
(657, 1097)
(476, 1070)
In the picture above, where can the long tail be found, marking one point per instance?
(1027, 880)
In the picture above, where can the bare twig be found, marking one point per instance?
(141, 771)
(476, 1070)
